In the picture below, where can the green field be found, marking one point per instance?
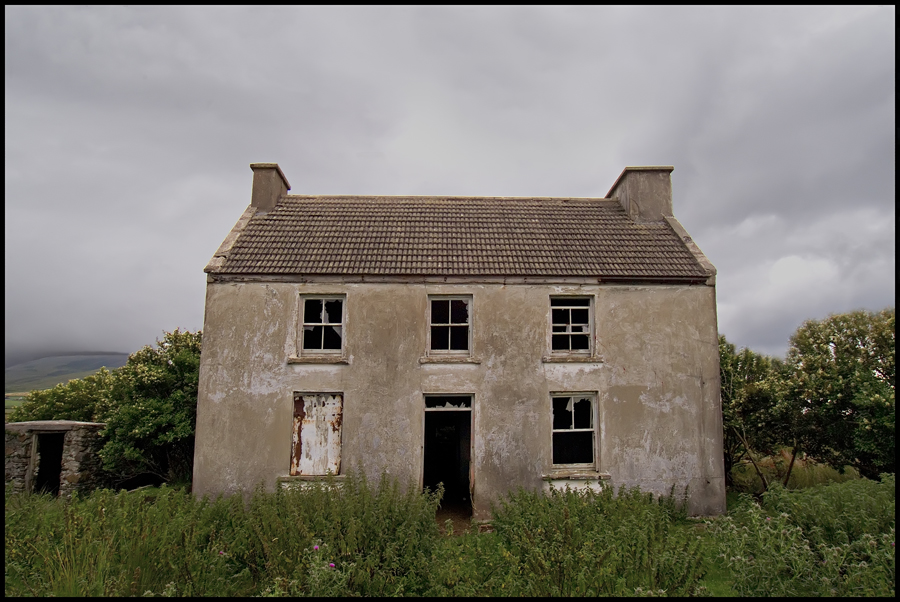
(48, 372)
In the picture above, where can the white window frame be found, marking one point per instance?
(302, 352)
(595, 442)
(589, 352)
(449, 352)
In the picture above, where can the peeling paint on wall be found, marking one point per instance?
(316, 440)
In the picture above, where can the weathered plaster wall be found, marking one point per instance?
(656, 380)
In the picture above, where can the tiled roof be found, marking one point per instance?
(457, 236)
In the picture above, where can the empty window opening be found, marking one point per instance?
(316, 436)
(448, 443)
(450, 324)
(571, 324)
(50, 450)
(323, 320)
(573, 430)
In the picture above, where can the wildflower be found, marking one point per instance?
(331, 564)
(221, 553)
(315, 547)
(768, 518)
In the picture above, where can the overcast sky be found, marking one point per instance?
(129, 134)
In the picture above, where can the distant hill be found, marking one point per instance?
(48, 372)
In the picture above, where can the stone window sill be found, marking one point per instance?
(311, 477)
(572, 359)
(318, 359)
(448, 359)
(577, 475)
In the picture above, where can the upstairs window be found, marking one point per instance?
(573, 430)
(323, 324)
(450, 325)
(570, 325)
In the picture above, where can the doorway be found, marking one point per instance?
(448, 444)
(50, 448)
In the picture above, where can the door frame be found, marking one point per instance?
(471, 410)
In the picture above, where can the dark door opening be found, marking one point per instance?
(448, 437)
(50, 448)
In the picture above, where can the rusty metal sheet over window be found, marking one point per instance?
(316, 435)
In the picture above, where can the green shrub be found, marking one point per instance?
(832, 540)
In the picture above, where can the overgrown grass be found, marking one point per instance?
(322, 540)
(367, 539)
(830, 540)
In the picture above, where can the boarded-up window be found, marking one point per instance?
(316, 440)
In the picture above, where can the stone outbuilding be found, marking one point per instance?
(481, 342)
(53, 456)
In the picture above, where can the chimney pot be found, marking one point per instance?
(269, 185)
(644, 192)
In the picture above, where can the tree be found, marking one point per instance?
(839, 390)
(151, 410)
(749, 388)
(149, 406)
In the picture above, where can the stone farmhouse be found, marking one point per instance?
(481, 342)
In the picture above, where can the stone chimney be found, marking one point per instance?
(269, 185)
(644, 192)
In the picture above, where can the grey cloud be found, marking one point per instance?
(129, 132)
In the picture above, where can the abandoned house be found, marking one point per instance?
(485, 343)
(53, 456)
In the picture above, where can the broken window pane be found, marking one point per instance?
(448, 401)
(440, 311)
(312, 311)
(333, 311)
(579, 316)
(561, 316)
(322, 324)
(560, 342)
(332, 337)
(459, 311)
(583, 414)
(440, 337)
(562, 415)
(580, 342)
(459, 338)
(312, 337)
(573, 448)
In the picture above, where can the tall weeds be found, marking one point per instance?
(361, 538)
(582, 543)
(832, 540)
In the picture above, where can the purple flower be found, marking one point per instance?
(768, 518)
(315, 547)
(331, 564)
(221, 553)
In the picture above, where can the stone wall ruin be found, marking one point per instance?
(53, 456)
